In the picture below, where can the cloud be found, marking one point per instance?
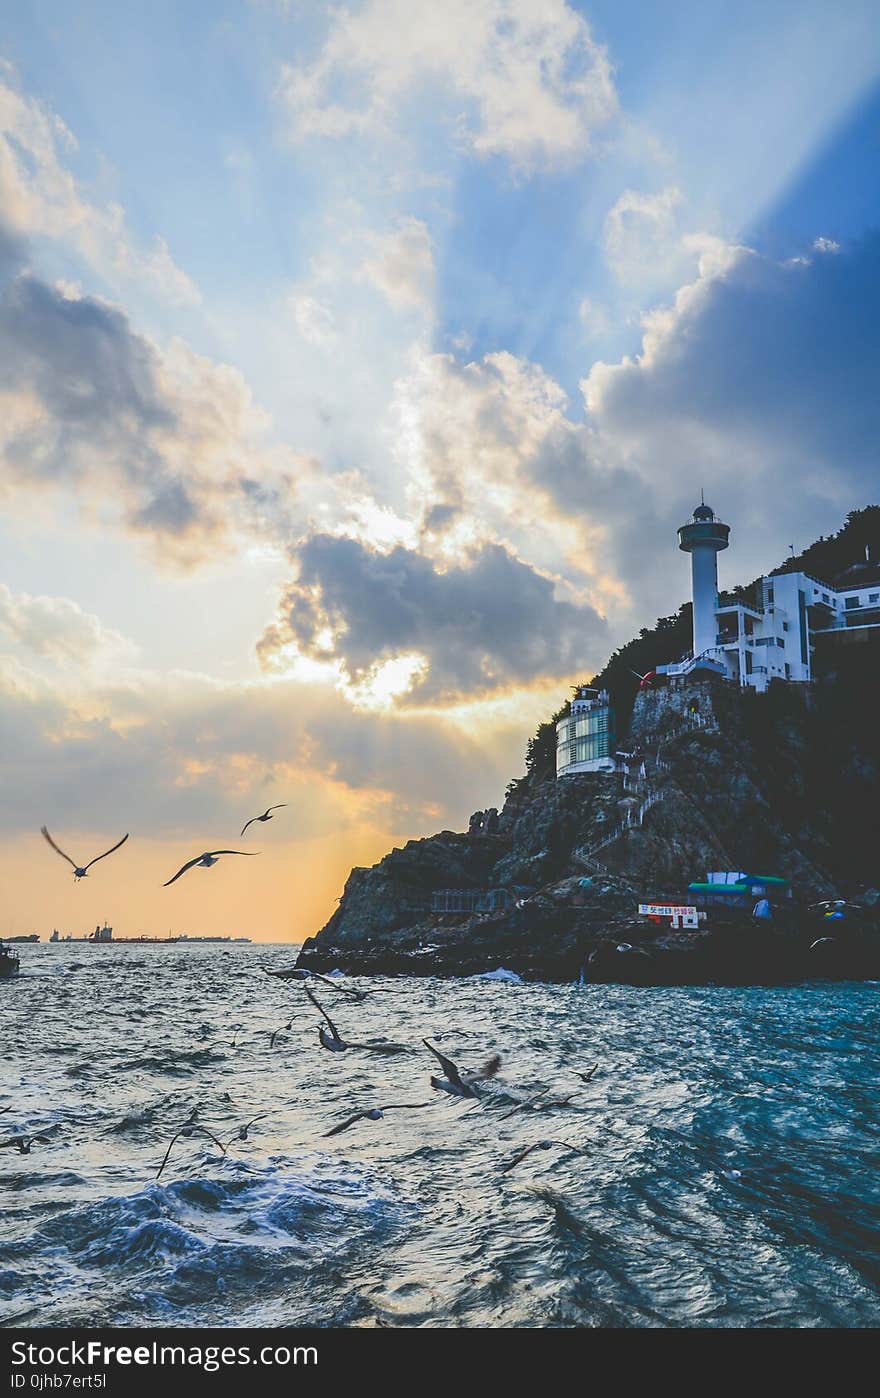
(486, 624)
(40, 196)
(401, 264)
(758, 383)
(13, 251)
(183, 753)
(491, 455)
(519, 79)
(168, 441)
(464, 434)
(759, 373)
(56, 629)
(779, 357)
(593, 317)
(640, 234)
(522, 525)
(314, 320)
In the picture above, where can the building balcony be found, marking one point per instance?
(744, 607)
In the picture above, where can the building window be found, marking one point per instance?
(850, 602)
(785, 626)
(874, 597)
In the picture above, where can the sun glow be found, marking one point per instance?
(387, 681)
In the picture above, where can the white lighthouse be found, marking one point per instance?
(768, 631)
(703, 538)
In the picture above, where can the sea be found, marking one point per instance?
(718, 1169)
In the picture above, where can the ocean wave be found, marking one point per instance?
(725, 1171)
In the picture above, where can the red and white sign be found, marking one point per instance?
(666, 910)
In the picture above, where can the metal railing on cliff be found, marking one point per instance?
(634, 818)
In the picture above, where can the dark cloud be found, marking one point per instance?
(638, 524)
(760, 386)
(482, 625)
(93, 405)
(783, 357)
(104, 414)
(83, 360)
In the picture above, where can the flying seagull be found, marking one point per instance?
(538, 1145)
(206, 860)
(524, 1104)
(242, 1132)
(229, 1043)
(282, 1029)
(374, 1114)
(334, 1041)
(540, 1103)
(267, 815)
(79, 871)
(302, 973)
(23, 1143)
(586, 1077)
(454, 1083)
(189, 1130)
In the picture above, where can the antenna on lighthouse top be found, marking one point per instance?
(702, 496)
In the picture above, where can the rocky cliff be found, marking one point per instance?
(783, 783)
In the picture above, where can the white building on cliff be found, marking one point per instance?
(770, 631)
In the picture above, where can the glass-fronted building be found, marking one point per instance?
(585, 738)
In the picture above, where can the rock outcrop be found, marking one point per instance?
(723, 780)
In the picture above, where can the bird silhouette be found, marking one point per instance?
(334, 1040)
(524, 1104)
(190, 1128)
(454, 1083)
(282, 1029)
(374, 1114)
(588, 1075)
(209, 858)
(79, 870)
(241, 1133)
(23, 1143)
(302, 973)
(538, 1145)
(267, 815)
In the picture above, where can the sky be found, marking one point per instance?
(357, 365)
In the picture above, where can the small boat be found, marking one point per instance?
(9, 963)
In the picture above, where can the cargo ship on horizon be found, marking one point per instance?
(103, 936)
